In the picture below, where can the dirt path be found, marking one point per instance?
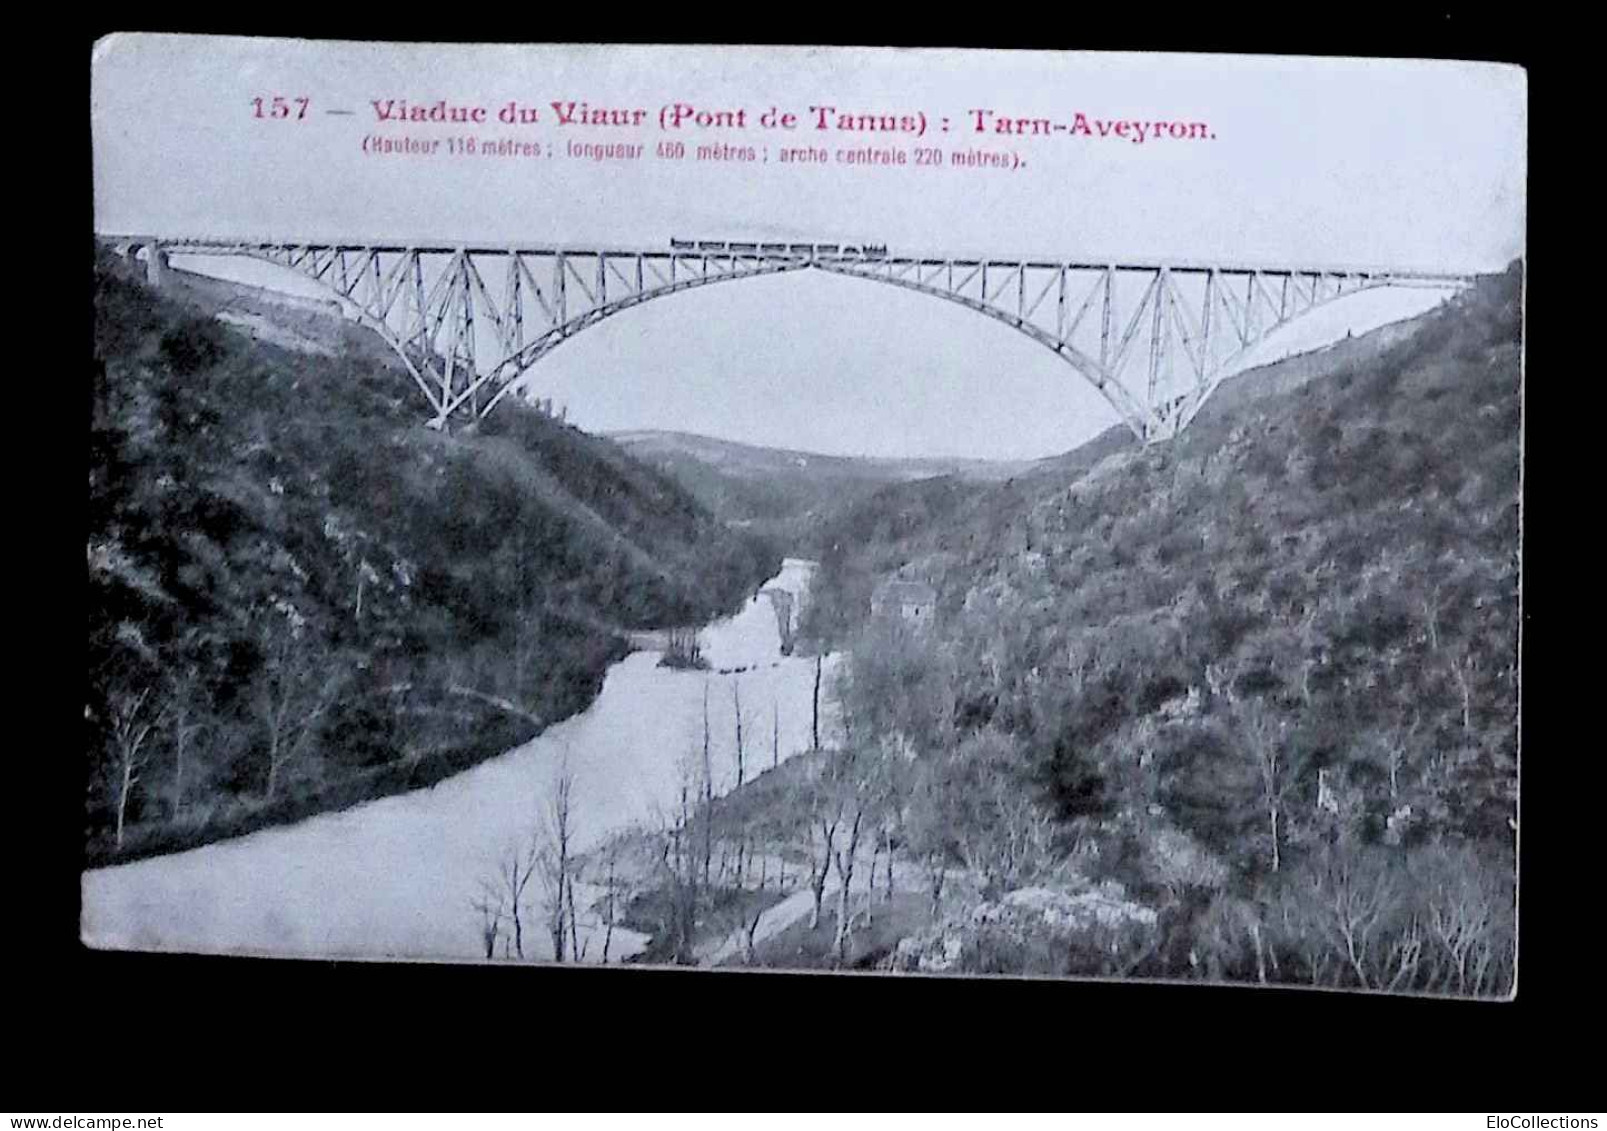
(800, 904)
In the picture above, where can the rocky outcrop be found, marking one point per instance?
(1037, 930)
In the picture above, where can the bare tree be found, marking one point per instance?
(1431, 618)
(554, 860)
(750, 931)
(775, 734)
(610, 897)
(491, 905)
(1463, 915)
(888, 883)
(292, 690)
(708, 792)
(928, 830)
(825, 816)
(1351, 897)
(1228, 922)
(1219, 677)
(1395, 746)
(183, 725)
(575, 947)
(1261, 738)
(503, 894)
(814, 718)
(736, 707)
(750, 927)
(1403, 956)
(1293, 921)
(1464, 671)
(843, 861)
(680, 862)
(853, 786)
(682, 649)
(133, 720)
(975, 805)
(875, 858)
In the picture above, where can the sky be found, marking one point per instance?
(1313, 162)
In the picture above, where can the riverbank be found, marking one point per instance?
(398, 877)
(320, 602)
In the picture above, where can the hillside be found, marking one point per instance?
(813, 505)
(300, 598)
(788, 495)
(877, 533)
(1255, 687)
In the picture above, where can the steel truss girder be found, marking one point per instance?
(1203, 318)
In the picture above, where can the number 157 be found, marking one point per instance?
(277, 107)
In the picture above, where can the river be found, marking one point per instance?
(396, 877)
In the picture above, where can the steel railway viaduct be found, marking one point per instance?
(1155, 338)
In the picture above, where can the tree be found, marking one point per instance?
(991, 819)
(682, 650)
(897, 683)
(490, 905)
(1393, 747)
(1464, 665)
(825, 815)
(554, 860)
(928, 830)
(502, 894)
(1261, 736)
(610, 897)
(576, 948)
(736, 707)
(295, 685)
(814, 715)
(184, 723)
(1350, 916)
(133, 719)
(853, 781)
(679, 860)
(1468, 914)
(707, 816)
(1349, 904)
(750, 930)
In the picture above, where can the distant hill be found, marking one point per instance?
(300, 597)
(785, 493)
(809, 503)
(753, 461)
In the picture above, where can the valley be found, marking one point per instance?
(1206, 710)
(1237, 707)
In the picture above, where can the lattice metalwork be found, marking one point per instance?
(471, 322)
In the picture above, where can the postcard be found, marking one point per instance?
(928, 512)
